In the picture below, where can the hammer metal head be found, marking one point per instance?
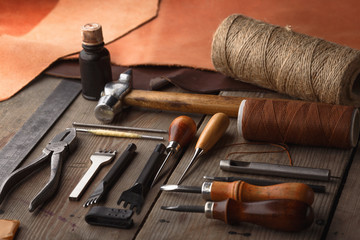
(111, 99)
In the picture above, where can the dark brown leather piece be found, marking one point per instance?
(189, 79)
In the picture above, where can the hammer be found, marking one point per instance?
(119, 93)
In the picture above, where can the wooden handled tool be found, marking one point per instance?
(279, 214)
(245, 192)
(181, 131)
(212, 132)
(119, 93)
(184, 102)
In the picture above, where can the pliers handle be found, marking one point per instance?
(57, 150)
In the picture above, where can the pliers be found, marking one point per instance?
(57, 150)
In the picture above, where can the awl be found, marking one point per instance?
(181, 131)
(245, 192)
(279, 214)
(212, 132)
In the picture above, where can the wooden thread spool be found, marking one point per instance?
(277, 58)
(297, 122)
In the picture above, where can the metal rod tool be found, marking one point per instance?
(212, 132)
(275, 170)
(76, 124)
(115, 172)
(34, 129)
(181, 131)
(112, 133)
(279, 214)
(261, 182)
(245, 192)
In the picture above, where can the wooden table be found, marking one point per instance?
(336, 211)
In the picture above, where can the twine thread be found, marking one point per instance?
(282, 60)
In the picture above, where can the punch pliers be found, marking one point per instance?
(57, 150)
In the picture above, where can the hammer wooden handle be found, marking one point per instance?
(184, 102)
(245, 192)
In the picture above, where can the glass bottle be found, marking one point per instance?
(94, 59)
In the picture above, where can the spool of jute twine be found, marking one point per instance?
(298, 122)
(282, 60)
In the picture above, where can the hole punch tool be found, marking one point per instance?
(135, 196)
(57, 150)
(103, 188)
(98, 159)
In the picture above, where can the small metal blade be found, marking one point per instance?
(197, 154)
(179, 188)
(182, 208)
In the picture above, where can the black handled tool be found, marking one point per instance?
(110, 217)
(136, 194)
(114, 174)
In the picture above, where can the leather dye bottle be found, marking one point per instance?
(94, 59)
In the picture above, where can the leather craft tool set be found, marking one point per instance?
(225, 196)
(277, 205)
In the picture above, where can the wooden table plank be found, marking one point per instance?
(63, 219)
(346, 220)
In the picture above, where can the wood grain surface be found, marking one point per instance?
(64, 219)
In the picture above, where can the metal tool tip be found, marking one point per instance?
(171, 208)
(169, 187)
(128, 72)
(181, 208)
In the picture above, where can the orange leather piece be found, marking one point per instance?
(182, 32)
(58, 34)
(20, 16)
(8, 228)
(180, 35)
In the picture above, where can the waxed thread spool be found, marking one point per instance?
(282, 60)
(298, 122)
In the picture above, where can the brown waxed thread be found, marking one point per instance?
(297, 122)
(280, 59)
(283, 147)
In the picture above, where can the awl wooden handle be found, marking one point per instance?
(246, 192)
(213, 131)
(282, 214)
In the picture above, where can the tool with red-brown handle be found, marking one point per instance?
(245, 192)
(280, 214)
(181, 131)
